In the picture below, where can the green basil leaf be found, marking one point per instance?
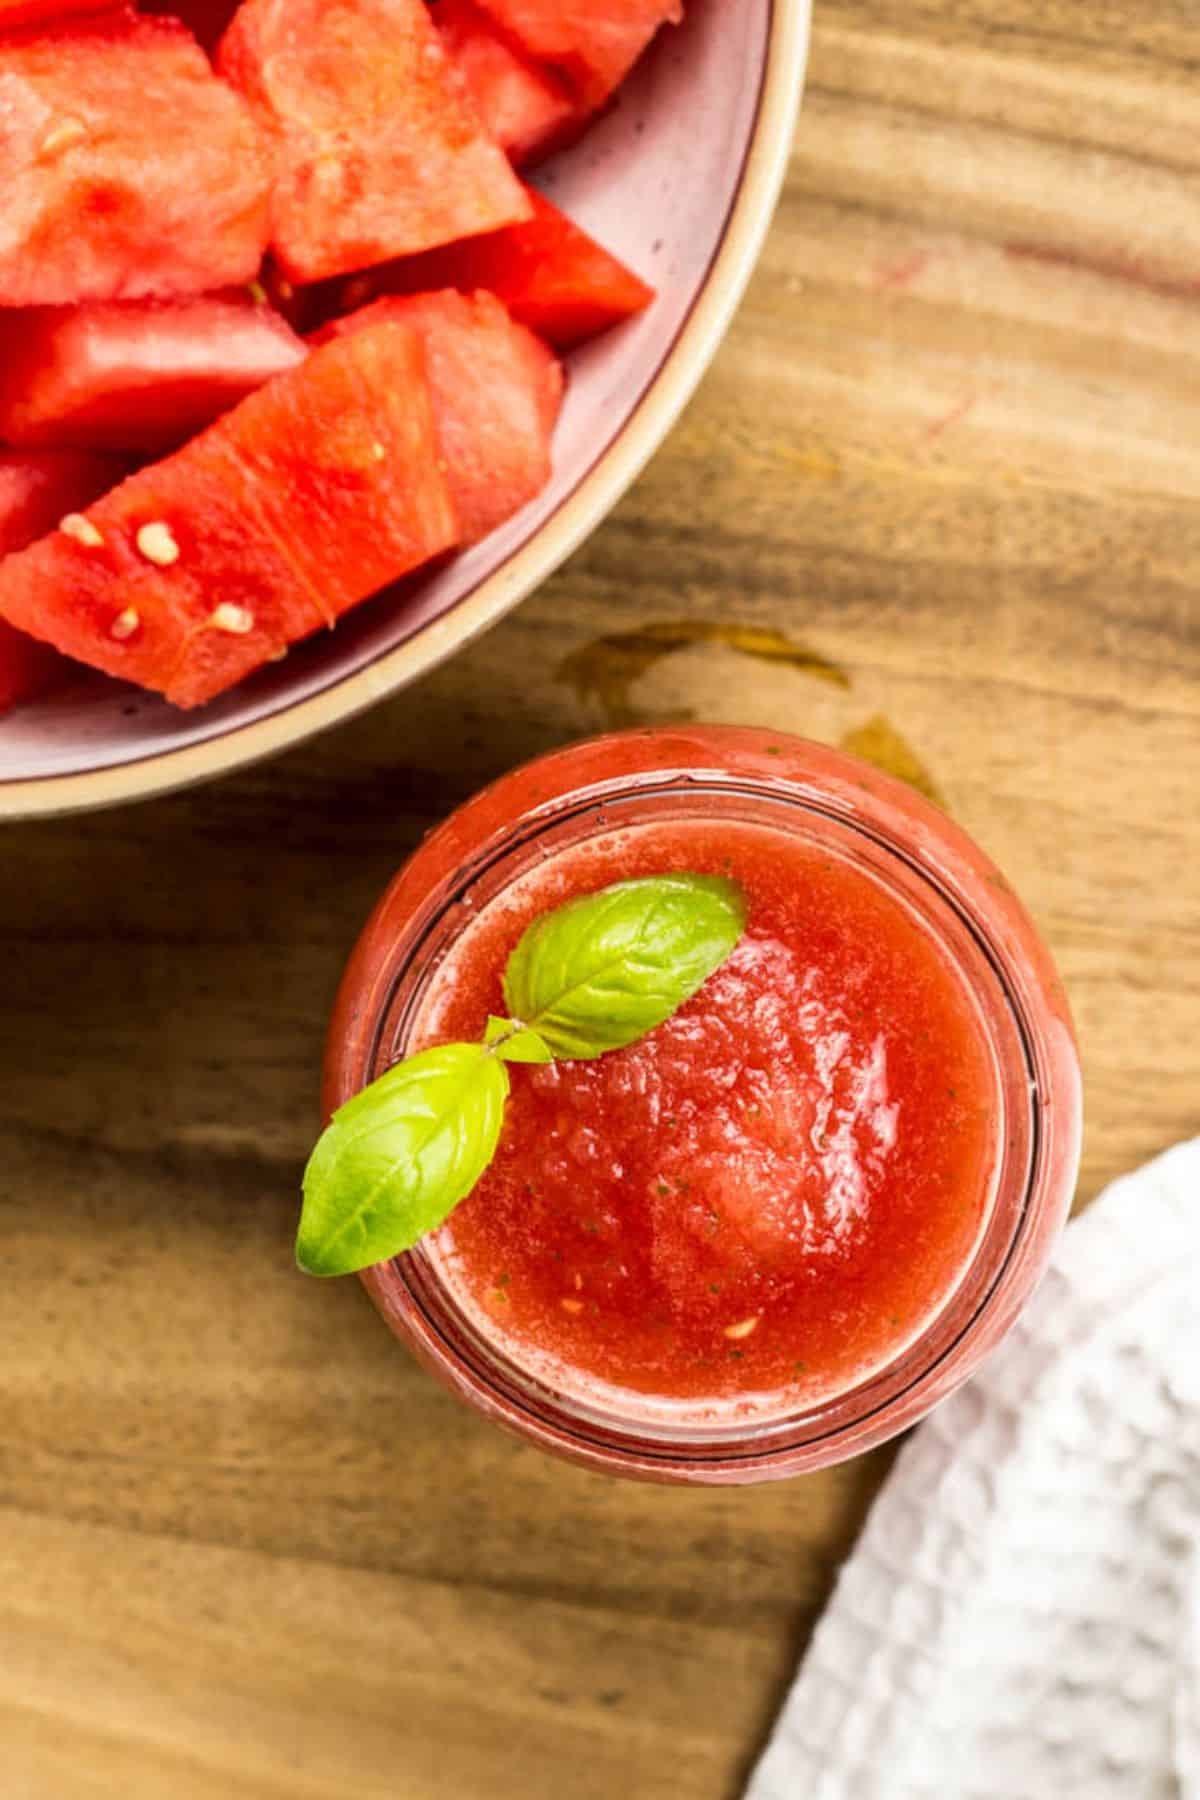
(513, 1042)
(396, 1159)
(601, 971)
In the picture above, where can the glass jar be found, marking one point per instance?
(907, 845)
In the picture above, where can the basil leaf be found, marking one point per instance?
(397, 1158)
(513, 1042)
(601, 971)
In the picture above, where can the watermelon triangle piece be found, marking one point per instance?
(496, 390)
(549, 273)
(315, 492)
(381, 150)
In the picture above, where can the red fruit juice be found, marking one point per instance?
(767, 1198)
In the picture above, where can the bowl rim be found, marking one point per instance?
(525, 568)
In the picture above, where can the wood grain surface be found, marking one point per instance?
(949, 453)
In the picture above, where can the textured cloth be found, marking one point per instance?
(1021, 1617)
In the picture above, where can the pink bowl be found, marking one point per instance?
(680, 180)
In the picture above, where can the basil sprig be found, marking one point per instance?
(592, 976)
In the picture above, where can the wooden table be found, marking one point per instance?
(247, 1551)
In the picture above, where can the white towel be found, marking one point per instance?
(1021, 1617)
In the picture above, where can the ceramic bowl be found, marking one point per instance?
(680, 179)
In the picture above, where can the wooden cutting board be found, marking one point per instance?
(247, 1551)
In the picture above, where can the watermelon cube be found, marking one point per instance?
(35, 493)
(135, 375)
(526, 107)
(497, 391)
(316, 491)
(381, 151)
(595, 43)
(549, 273)
(126, 167)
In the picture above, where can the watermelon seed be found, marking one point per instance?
(125, 624)
(64, 136)
(571, 1306)
(157, 544)
(742, 1329)
(81, 529)
(234, 619)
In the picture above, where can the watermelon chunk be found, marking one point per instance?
(316, 491)
(134, 375)
(526, 107)
(381, 151)
(35, 493)
(594, 42)
(549, 273)
(497, 391)
(126, 167)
